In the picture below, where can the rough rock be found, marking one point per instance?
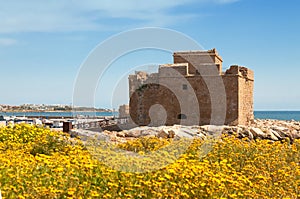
(276, 134)
(133, 133)
(280, 128)
(121, 134)
(249, 134)
(295, 134)
(171, 134)
(257, 133)
(162, 134)
(273, 130)
(270, 135)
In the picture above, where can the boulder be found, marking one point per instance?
(280, 128)
(249, 134)
(171, 134)
(276, 134)
(241, 135)
(201, 135)
(149, 132)
(184, 134)
(282, 134)
(257, 133)
(121, 134)
(295, 134)
(113, 138)
(273, 130)
(162, 134)
(270, 135)
(133, 133)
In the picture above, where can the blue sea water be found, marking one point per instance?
(279, 115)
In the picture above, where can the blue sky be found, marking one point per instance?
(44, 43)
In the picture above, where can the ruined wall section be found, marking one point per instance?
(239, 82)
(246, 87)
(139, 79)
(138, 83)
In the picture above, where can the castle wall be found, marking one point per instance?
(246, 87)
(195, 59)
(239, 83)
(179, 95)
(231, 84)
(139, 79)
(141, 102)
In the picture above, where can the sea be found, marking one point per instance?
(278, 115)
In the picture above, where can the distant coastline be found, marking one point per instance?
(53, 111)
(28, 108)
(59, 113)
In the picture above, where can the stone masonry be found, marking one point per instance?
(124, 111)
(192, 91)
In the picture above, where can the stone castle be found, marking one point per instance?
(192, 91)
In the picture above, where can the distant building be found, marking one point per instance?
(124, 111)
(124, 116)
(183, 77)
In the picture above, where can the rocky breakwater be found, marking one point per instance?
(274, 130)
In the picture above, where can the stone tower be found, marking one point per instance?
(184, 92)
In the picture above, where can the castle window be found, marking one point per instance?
(184, 87)
(181, 116)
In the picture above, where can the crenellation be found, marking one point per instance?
(139, 79)
(240, 71)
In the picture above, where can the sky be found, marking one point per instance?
(43, 44)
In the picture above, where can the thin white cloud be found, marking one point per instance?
(75, 15)
(7, 42)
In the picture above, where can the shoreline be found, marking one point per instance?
(267, 129)
(70, 111)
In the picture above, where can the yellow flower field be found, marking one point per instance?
(38, 163)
